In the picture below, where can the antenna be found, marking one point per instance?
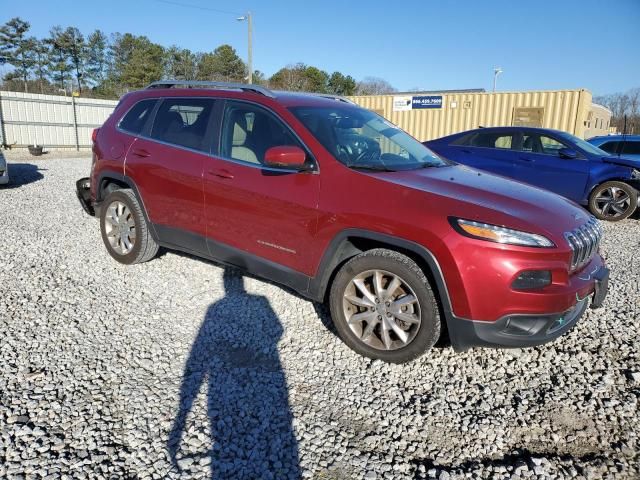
(624, 137)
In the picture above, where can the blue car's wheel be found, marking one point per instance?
(613, 201)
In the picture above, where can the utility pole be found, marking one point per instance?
(496, 71)
(249, 20)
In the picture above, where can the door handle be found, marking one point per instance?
(527, 159)
(466, 151)
(221, 173)
(140, 152)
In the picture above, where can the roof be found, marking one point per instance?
(511, 128)
(292, 99)
(619, 136)
(282, 97)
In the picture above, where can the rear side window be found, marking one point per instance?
(183, 122)
(490, 140)
(631, 148)
(137, 116)
(610, 147)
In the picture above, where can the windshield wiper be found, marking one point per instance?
(433, 164)
(373, 168)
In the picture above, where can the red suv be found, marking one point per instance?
(340, 205)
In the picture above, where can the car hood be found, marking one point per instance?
(510, 203)
(626, 162)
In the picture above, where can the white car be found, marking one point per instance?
(4, 170)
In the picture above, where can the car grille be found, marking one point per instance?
(584, 242)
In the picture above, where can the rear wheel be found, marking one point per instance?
(383, 307)
(613, 201)
(124, 229)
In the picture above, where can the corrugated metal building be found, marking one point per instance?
(429, 115)
(56, 121)
(50, 120)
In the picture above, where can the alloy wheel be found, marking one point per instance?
(612, 202)
(120, 227)
(382, 310)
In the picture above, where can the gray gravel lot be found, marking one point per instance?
(179, 368)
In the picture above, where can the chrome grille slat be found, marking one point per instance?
(584, 242)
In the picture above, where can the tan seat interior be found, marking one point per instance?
(239, 149)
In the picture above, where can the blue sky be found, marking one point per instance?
(442, 44)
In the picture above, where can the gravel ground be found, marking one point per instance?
(179, 368)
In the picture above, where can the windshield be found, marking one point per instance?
(362, 139)
(584, 145)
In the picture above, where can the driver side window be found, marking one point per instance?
(249, 131)
(550, 146)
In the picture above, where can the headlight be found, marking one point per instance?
(495, 233)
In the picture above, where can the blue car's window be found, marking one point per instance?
(631, 148)
(582, 144)
(499, 140)
(550, 146)
(610, 147)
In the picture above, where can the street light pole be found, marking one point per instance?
(496, 71)
(249, 20)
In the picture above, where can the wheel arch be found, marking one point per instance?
(617, 178)
(352, 242)
(122, 181)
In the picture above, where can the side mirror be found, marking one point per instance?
(286, 156)
(567, 153)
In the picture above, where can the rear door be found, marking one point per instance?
(266, 212)
(166, 163)
(488, 150)
(538, 163)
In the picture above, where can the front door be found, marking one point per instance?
(268, 213)
(539, 163)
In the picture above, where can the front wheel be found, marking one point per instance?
(613, 201)
(383, 307)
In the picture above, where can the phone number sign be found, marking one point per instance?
(426, 101)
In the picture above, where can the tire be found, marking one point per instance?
(367, 337)
(124, 206)
(613, 201)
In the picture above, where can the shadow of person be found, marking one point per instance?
(236, 353)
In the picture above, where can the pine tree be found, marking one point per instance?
(17, 48)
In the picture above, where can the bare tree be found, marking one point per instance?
(625, 107)
(374, 86)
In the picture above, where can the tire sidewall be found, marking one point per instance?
(132, 205)
(633, 196)
(429, 331)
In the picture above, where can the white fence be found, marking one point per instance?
(50, 120)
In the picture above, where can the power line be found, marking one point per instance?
(199, 7)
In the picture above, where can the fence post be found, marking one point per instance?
(3, 138)
(75, 122)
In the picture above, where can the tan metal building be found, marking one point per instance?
(429, 115)
(598, 121)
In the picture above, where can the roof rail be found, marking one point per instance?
(334, 97)
(208, 84)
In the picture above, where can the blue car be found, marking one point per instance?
(627, 146)
(558, 161)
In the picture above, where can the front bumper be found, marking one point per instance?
(526, 330)
(83, 192)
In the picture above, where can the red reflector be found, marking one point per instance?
(94, 134)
